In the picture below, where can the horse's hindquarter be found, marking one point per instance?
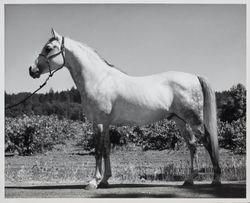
(188, 97)
(142, 100)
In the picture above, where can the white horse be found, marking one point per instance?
(109, 96)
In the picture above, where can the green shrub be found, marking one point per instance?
(158, 136)
(27, 135)
(87, 141)
(233, 135)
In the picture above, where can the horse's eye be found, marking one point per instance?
(48, 49)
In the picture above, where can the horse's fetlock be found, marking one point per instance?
(98, 177)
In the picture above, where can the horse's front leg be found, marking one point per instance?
(106, 155)
(98, 133)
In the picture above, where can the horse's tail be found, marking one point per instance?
(210, 116)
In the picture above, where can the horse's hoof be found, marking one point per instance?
(216, 183)
(103, 185)
(188, 183)
(91, 186)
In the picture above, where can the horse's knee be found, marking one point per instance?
(106, 149)
(100, 128)
(98, 137)
(190, 139)
(198, 130)
(106, 144)
(98, 146)
(106, 153)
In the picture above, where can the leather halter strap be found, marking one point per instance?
(47, 58)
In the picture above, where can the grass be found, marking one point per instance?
(72, 165)
(174, 166)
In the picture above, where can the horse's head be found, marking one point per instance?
(51, 58)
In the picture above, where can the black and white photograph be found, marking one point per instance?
(125, 100)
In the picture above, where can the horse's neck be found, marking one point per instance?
(85, 66)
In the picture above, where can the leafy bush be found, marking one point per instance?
(27, 135)
(85, 137)
(158, 136)
(233, 135)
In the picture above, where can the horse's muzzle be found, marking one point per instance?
(34, 74)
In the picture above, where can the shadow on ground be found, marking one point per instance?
(223, 191)
(228, 190)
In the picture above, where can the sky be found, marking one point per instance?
(207, 40)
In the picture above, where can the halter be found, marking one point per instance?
(47, 58)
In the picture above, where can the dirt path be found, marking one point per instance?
(150, 190)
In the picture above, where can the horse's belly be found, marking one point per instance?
(131, 114)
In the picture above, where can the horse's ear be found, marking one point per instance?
(55, 34)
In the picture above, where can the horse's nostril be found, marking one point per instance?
(34, 74)
(30, 72)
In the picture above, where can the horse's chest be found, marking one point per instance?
(96, 103)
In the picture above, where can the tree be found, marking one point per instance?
(234, 107)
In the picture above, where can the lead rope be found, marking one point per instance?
(50, 75)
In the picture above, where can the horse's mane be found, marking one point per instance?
(94, 51)
(104, 60)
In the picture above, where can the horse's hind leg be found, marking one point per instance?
(207, 142)
(211, 146)
(190, 140)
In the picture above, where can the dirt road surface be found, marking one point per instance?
(144, 190)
